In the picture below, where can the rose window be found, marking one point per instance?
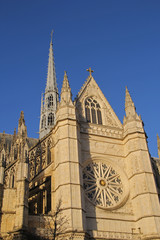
(103, 184)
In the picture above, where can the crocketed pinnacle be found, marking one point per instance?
(14, 135)
(21, 119)
(66, 95)
(65, 86)
(158, 144)
(22, 130)
(128, 99)
(51, 75)
(129, 106)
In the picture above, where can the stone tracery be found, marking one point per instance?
(102, 184)
(92, 110)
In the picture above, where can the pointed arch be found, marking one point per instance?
(50, 101)
(50, 119)
(12, 181)
(93, 111)
(16, 152)
(43, 123)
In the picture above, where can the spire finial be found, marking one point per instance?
(52, 36)
(90, 71)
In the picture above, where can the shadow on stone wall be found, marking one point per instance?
(1, 199)
(85, 153)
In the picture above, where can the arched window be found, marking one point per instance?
(88, 115)
(43, 123)
(50, 119)
(50, 101)
(99, 116)
(12, 183)
(15, 153)
(93, 111)
(20, 148)
(48, 155)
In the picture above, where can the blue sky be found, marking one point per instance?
(119, 40)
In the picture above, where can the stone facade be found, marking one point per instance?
(88, 177)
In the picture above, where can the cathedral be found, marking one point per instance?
(88, 176)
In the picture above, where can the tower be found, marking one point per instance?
(50, 98)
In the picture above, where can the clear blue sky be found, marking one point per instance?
(119, 40)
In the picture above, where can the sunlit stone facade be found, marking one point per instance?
(88, 176)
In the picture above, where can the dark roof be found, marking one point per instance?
(9, 139)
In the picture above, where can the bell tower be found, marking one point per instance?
(50, 98)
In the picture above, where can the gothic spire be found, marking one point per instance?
(51, 75)
(50, 98)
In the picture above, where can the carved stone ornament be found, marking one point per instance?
(105, 184)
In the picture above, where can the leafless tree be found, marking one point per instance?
(54, 224)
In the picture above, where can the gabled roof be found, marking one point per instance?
(91, 88)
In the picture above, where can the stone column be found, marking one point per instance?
(22, 185)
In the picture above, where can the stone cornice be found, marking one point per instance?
(101, 130)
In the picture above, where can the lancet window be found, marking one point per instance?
(3, 158)
(43, 123)
(15, 153)
(93, 111)
(48, 154)
(40, 197)
(50, 119)
(50, 101)
(12, 181)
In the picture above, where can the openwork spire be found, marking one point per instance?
(51, 75)
(50, 98)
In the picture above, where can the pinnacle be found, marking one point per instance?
(129, 106)
(128, 99)
(158, 144)
(14, 132)
(66, 95)
(65, 86)
(21, 119)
